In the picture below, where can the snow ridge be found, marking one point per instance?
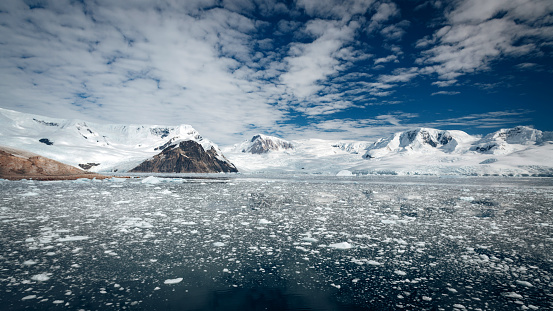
(421, 140)
(110, 147)
(260, 144)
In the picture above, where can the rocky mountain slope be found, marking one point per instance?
(186, 157)
(19, 164)
(93, 146)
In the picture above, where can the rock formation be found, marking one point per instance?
(186, 157)
(19, 164)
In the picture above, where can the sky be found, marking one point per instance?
(331, 69)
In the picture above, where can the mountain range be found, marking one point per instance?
(94, 147)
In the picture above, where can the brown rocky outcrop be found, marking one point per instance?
(186, 157)
(19, 164)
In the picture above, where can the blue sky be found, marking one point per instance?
(357, 69)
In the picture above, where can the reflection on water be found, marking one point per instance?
(301, 243)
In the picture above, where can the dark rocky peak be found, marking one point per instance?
(186, 157)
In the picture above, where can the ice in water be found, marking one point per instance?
(318, 243)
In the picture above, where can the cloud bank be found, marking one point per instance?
(232, 68)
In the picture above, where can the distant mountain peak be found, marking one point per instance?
(509, 140)
(419, 140)
(111, 147)
(260, 144)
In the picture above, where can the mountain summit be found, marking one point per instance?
(506, 141)
(421, 140)
(101, 147)
(260, 144)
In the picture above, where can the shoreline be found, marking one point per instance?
(57, 177)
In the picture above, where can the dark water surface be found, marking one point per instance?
(295, 243)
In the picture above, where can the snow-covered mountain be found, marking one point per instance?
(424, 151)
(313, 156)
(506, 141)
(263, 144)
(517, 151)
(421, 140)
(93, 146)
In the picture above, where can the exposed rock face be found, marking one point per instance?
(420, 140)
(503, 141)
(87, 166)
(186, 157)
(262, 144)
(18, 164)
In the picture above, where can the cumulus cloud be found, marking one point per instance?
(445, 93)
(229, 66)
(478, 32)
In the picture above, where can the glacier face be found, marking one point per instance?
(100, 147)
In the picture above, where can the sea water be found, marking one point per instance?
(277, 243)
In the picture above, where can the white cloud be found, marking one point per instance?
(445, 93)
(478, 32)
(493, 119)
(311, 63)
(125, 64)
(384, 12)
(340, 9)
(387, 59)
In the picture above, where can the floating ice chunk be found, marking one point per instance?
(151, 180)
(264, 222)
(57, 302)
(30, 262)
(388, 221)
(374, 263)
(28, 194)
(426, 298)
(337, 286)
(512, 295)
(29, 297)
(218, 244)
(122, 202)
(459, 306)
(524, 283)
(312, 240)
(73, 238)
(40, 277)
(399, 272)
(343, 245)
(345, 173)
(467, 198)
(172, 281)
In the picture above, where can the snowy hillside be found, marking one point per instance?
(421, 141)
(262, 144)
(519, 151)
(313, 156)
(92, 146)
(507, 141)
